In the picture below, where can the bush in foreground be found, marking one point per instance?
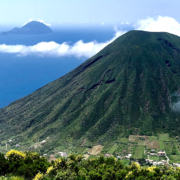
(18, 166)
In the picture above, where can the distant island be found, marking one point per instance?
(33, 27)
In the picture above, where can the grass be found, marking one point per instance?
(80, 150)
(175, 158)
(138, 153)
(121, 147)
(155, 158)
(85, 151)
(164, 137)
(161, 145)
(152, 138)
(141, 143)
(113, 148)
(123, 140)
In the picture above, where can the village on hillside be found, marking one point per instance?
(147, 150)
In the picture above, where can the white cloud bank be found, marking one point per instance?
(81, 49)
(159, 24)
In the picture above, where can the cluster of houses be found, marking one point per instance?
(128, 156)
(61, 154)
(160, 153)
(119, 157)
(163, 162)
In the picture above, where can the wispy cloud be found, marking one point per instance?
(79, 49)
(82, 49)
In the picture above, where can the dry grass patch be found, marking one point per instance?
(142, 140)
(132, 138)
(95, 150)
(86, 156)
(153, 145)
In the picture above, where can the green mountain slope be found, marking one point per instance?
(132, 83)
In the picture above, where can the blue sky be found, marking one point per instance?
(55, 12)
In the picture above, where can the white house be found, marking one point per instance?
(157, 163)
(176, 164)
(150, 161)
(161, 153)
(128, 156)
(164, 161)
(108, 155)
(119, 157)
(43, 142)
(63, 154)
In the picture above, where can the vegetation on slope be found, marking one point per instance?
(131, 84)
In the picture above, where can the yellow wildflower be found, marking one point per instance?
(33, 154)
(136, 166)
(79, 158)
(58, 163)
(49, 169)
(38, 176)
(15, 153)
(130, 172)
(151, 169)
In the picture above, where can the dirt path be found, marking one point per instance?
(167, 159)
(83, 142)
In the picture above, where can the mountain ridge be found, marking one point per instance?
(129, 84)
(33, 27)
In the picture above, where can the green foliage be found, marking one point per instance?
(27, 167)
(98, 168)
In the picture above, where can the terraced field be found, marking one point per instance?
(139, 151)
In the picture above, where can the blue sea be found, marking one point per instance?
(21, 75)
